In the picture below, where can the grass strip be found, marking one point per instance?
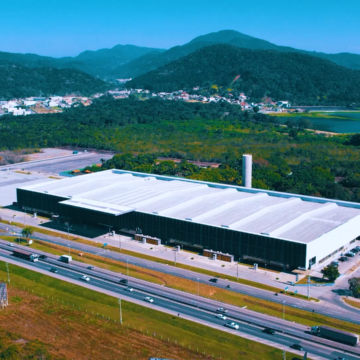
(212, 341)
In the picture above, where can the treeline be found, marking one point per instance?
(299, 78)
(273, 173)
(17, 81)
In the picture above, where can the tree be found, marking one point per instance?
(27, 232)
(331, 272)
(256, 109)
(354, 286)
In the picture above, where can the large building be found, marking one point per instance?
(263, 226)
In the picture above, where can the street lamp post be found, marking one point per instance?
(284, 315)
(237, 271)
(175, 256)
(198, 292)
(120, 311)
(120, 242)
(8, 273)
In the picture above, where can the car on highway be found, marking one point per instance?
(221, 316)
(124, 281)
(129, 288)
(297, 347)
(343, 258)
(232, 325)
(90, 267)
(350, 254)
(269, 331)
(54, 270)
(42, 257)
(11, 244)
(221, 310)
(149, 299)
(85, 278)
(214, 280)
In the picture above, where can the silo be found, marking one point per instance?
(246, 170)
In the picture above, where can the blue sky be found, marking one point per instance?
(65, 28)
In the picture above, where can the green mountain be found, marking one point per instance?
(148, 62)
(98, 63)
(221, 68)
(17, 81)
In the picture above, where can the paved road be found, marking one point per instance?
(336, 311)
(52, 166)
(185, 305)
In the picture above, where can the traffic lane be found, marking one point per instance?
(182, 309)
(239, 288)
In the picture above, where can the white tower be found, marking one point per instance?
(246, 170)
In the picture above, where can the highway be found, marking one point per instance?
(333, 310)
(197, 308)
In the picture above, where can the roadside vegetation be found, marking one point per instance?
(76, 320)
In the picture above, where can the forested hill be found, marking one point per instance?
(299, 78)
(18, 81)
(152, 61)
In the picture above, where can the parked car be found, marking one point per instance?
(149, 299)
(124, 281)
(221, 316)
(42, 257)
(357, 247)
(129, 288)
(90, 267)
(214, 280)
(221, 310)
(269, 331)
(297, 347)
(232, 325)
(54, 270)
(85, 278)
(343, 258)
(335, 263)
(354, 250)
(350, 254)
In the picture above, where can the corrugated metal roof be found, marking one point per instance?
(286, 216)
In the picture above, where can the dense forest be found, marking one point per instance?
(152, 61)
(285, 158)
(301, 79)
(17, 81)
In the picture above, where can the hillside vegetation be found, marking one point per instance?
(291, 160)
(302, 79)
(17, 81)
(148, 62)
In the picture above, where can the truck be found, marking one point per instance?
(65, 258)
(26, 255)
(335, 335)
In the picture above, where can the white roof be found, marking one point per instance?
(280, 215)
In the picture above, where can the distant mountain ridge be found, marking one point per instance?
(18, 81)
(224, 69)
(97, 63)
(148, 62)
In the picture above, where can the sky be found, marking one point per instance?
(68, 27)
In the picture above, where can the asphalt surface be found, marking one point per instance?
(66, 163)
(198, 308)
(338, 311)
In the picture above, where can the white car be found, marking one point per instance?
(129, 288)
(221, 310)
(232, 325)
(10, 244)
(221, 316)
(85, 278)
(149, 299)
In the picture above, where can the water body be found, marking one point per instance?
(339, 122)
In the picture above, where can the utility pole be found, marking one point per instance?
(120, 311)
(8, 273)
(68, 227)
(308, 284)
(284, 354)
(120, 242)
(175, 256)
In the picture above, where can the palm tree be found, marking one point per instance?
(27, 232)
